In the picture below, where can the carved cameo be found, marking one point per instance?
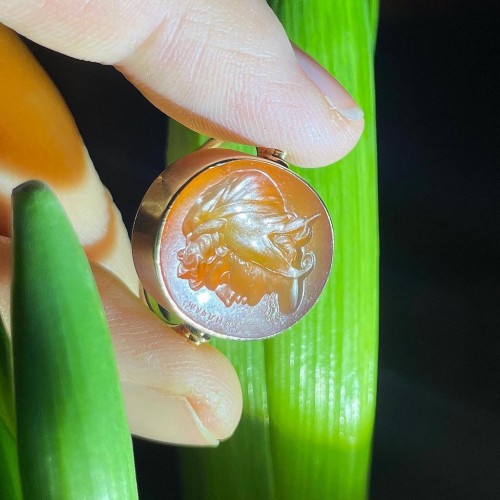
(243, 243)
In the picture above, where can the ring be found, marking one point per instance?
(231, 245)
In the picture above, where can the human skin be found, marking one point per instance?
(194, 60)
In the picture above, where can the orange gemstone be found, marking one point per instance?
(245, 249)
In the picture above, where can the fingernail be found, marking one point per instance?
(336, 96)
(165, 418)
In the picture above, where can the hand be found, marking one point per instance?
(224, 68)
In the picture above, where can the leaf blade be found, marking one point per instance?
(6, 382)
(317, 382)
(10, 482)
(326, 411)
(73, 438)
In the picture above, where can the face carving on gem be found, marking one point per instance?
(243, 243)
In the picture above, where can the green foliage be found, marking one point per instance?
(73, 440)
(10, 485)
(309, 394)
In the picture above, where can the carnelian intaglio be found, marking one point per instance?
(243, 249)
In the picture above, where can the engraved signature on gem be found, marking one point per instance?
(209, 317)
(243, 243)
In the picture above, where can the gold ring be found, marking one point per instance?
(231, 245)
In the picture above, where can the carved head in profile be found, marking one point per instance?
(243, 243)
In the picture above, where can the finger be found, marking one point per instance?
(174, 391)
(224, 68)
(39, 140)
(165, 376)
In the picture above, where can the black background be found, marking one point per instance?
(437, 433)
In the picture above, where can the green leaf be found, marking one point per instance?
(309, 394)
(73, 439)
(6, 384)
(241, 468)
(10, 483)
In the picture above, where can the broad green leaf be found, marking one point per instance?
(10, 484)
(309, 394)
(73, 439)
(6, 384)
(322, 410)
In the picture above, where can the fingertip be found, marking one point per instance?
(218, 408)
(176, 421)
(321, 149)
(336, 95)
(337, 122)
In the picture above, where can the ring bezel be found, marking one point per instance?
(153, 213)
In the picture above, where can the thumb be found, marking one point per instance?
(224, 68)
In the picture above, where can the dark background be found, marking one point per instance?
(438, 428)
(437, 433)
